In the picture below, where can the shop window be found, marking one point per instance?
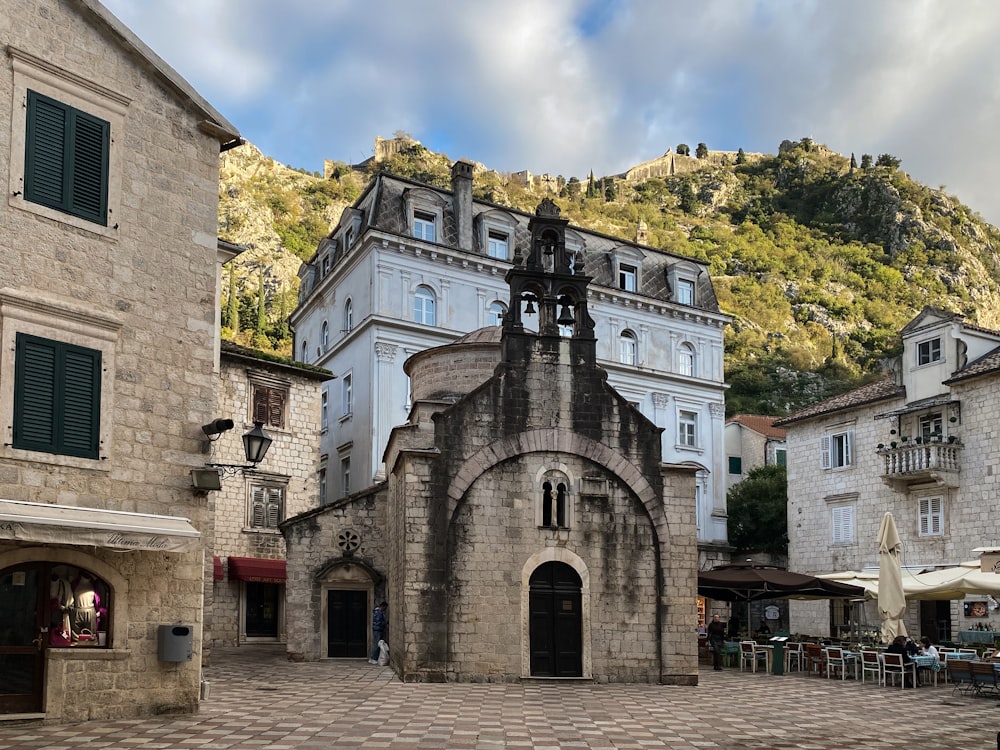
(79, 606)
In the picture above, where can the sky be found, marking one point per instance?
(573, 86)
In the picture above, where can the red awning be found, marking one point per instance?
(256, 570)
(217, 571)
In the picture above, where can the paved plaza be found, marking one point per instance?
(259, 700)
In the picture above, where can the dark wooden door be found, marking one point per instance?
(22, 639)
(263, 605)
(347, 623)
(555, 621)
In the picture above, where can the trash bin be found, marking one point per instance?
(778, 656)
(175, 643)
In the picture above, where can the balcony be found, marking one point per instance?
(921, 463)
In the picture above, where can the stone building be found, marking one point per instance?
(108, 298)
(248, 575)
(752, 440)
(920, 443)
(527, 527)
(411, 267)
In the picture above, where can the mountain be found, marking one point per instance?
(820, 260)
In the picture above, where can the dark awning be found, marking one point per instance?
(217, 571)
(257, 570)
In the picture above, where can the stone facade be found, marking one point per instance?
(124, 293)
(752, 441)
(919, 444)
(291, 468)
(541, 468)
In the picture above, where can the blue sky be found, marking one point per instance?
(570, 86)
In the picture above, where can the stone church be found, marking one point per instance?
(526, 528)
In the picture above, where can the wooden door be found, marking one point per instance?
(347, 623)
(22, 639)
(555, 621)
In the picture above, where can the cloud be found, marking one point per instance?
(566, 86)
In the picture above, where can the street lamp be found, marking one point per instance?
(255, 446)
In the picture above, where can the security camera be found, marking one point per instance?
(216, 426)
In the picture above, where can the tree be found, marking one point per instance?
(702, 151)
(758, 517)
(741, 157)
(854, 162)
(683, 149)
(573, 189)
(232, 316)
(591, 186)
(688, 198)
(888, 160)
(866, 161)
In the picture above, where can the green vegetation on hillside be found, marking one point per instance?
(819, 261)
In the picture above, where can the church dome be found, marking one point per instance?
(455, 369)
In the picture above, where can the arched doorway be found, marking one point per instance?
(556, 622)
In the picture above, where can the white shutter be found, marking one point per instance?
(848, 449)
(824, 450)
(842, 521)
(924, 516)
(931, 516)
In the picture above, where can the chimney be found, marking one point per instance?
(461, 187)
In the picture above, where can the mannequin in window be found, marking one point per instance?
(87, 602)
(61, 605)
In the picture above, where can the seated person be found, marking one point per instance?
(763, 629)
(898, 646)
(928, 649)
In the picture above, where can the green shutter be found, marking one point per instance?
(57, 397)
(66, 159)
(735, 465)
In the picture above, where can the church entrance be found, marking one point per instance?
(556, 623)
(347, 623)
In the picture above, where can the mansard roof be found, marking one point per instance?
(883, 389)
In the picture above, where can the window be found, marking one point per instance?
(348, 316)
(326, 265)
(836, 450)
(305, 351)
(57, 397)
(687, 429)
(735, 465)
(266, 506)
(780, 457)
(627, 348)
(928, 351)
(66, 159)
(324, 410)
(497, 244)
(554, 505)
(423, 226)
(685, 291)
(268, 404)
(326, 336)
(931, 516)
(494, 316)
(627, 276)
(345, 476)
(930, 424)
(842, 524)
(80, 601)
(322, 486)
(423, 306)
(685, 360)
(347, 384)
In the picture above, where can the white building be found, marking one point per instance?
(412, 266)
(919, 443)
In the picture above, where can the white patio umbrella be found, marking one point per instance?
(891, 599)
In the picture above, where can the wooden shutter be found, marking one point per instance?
(266, 507)
(66, 159)
(57, 397)
(269, 406)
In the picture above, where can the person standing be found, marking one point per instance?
(716, 633)
(380, 626)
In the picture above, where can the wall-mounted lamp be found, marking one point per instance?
(255, 445)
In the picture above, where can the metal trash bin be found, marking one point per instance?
(175, 643)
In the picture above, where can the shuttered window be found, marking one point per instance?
(66, 159)
(57, 397)
(836, 450)
(842, 522)
(269, 406)
(931, 521)
(266, 506)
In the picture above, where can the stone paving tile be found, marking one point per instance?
(260, 700)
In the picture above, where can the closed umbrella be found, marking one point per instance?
(891, 599)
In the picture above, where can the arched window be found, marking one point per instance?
(685, 360)
(494, 316)
(348, 315)
(555, 501)
(305, 351)
(627, 348)
(423, 306)
(326, 336)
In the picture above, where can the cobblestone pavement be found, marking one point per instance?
(259, 700)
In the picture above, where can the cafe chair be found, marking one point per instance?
(815, 659)
(960, 676)
(837, 660)
(943, 658)
(893, 664)
(871, 665)
(751, 656)
(984, 677)
(793, 656)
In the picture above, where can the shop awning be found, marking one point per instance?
(256, 570)
(92, 527)
(218, 573)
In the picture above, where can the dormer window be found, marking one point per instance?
(424, 227)
(497, 245)
(683, 280)
(326, 265)
(685, 292)
(626, 265)
(627, 277)
(928, 352)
